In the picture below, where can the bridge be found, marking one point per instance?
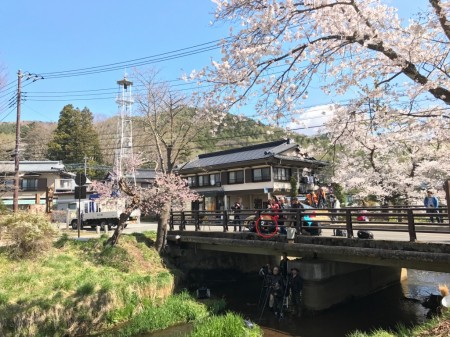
(293, 234)
(404, 237)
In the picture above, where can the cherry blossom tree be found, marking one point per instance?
(383, 153)
(278, 48)
(167, 192)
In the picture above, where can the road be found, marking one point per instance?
(378, 235)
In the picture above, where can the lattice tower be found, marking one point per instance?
(124, 149)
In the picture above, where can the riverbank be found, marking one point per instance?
(86, 288)
(81, 287)
(436, 327)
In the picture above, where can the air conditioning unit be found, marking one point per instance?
(218, 184)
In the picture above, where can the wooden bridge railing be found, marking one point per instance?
(410, 219)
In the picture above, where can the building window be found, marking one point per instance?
(29, 184)
(214, 179)
(235, 177)
(203, 180)
(281, 174)
(261, 174)
(192, 181)
(145, 185)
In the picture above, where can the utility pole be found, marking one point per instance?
(16, 153)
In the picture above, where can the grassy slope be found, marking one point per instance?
(80, 288)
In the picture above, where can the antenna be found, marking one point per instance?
(124, 149)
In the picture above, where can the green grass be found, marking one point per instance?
(180, 308)
(77, 285)
(228, 325)
(423, 330)
(81, 288)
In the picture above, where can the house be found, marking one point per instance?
(142, 177)
(37, 180)
(252, 174)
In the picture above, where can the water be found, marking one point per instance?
(385, 309)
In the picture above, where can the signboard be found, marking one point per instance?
(80, 192)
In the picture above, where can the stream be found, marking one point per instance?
(385, 309)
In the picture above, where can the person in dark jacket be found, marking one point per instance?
(295, 288)
(237, 214)
(277, 288)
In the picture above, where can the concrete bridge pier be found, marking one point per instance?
(329, 283)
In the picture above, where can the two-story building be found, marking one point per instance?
(37, 180)
(252, 174)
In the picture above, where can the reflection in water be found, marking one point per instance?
(385, 309)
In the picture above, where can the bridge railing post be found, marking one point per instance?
(225, 221)
(349, 223)
(298, 221)
(183, 221)
(411, 226)
(171, 221)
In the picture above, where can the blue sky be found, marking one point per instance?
(53, 35)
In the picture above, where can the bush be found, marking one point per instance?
(26, 235)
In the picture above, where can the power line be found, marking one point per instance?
(102, 69)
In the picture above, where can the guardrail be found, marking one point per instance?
(409, 219)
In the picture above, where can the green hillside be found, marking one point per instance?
(232, 132)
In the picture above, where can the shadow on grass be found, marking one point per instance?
(142, 238)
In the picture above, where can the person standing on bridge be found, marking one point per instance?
(311, 199)
(432, 204)
(237, 217)
(321, 198)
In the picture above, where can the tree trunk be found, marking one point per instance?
(134, 204)
(162, 228)
(114, 239)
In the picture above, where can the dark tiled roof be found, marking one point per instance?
(248, 153)
(145, 174)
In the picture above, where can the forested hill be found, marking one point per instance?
(34, 138)
(231, 133)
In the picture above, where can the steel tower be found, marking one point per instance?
(124, 149)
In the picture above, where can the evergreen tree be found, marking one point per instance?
(74, 137)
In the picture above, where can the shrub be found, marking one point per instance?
(26, 235)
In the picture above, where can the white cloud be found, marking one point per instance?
(311, 122)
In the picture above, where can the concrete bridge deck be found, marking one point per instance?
(432, 256)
